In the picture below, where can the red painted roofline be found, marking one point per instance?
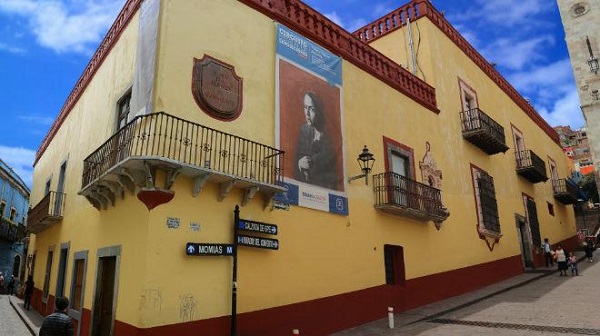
(129, 9)
(423, 8)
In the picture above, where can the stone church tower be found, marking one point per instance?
(581, 21)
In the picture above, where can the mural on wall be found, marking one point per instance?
(308, 118)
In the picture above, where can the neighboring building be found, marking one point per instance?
(467, 179)
(14, 204)
(581, 20)
(576, 146)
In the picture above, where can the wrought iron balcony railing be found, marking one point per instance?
(179, 147)
(531, 166)
(10, 230)
(564, 191)
(399, 195)
(482, 131)
(47, 212)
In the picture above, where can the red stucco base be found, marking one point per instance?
(327, 315)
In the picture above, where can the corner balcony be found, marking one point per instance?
(10, 230)
(531, 166)
(482, 131)
(401, 196)
(151, 151)
(46, 213)
(564, 191)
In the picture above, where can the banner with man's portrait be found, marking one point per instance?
(309, 123)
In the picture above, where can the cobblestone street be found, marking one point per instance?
(10, 322)
(530, 304)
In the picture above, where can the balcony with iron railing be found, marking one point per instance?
(531, 166)
(47, 212)
(162, 142)
(398, 195)
(482, 131)
(564, 191)
(10, 230)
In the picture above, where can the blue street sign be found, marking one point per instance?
(266, 243)
(244, 224)
(205, 249)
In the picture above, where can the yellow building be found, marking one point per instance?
(191, 108)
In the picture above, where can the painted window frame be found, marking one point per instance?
(123, 110)
(48, 274)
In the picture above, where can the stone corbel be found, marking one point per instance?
(268, 199)
(249, 194)
(225, 188)
(440, 219)
(96, 203)
(171, 176)
(199, 182)
(114, 187)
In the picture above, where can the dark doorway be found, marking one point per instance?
(104, 300)
(525, 242)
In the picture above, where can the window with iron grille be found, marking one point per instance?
(486, 202)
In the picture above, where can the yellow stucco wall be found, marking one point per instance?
(321, 254)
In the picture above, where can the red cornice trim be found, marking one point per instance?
(313, 25)
(419, 8)
(129, 9)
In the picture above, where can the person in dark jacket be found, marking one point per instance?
(28, 291)
(58, 323)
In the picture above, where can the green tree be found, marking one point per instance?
(588, 185)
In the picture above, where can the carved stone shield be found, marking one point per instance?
(217, 89)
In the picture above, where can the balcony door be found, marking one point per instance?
(60, 189)
(400, 168)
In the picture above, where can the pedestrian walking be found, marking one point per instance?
(589, 250)
(561, 259)
(1, 283)
(548, 253)
(11, 284)
(573, 264)
(58, 323)
(28, 291)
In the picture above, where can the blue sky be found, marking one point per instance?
(46, 44)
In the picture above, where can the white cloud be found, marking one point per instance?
(508, 13)
(565, 111)
(551, 76)
(333, 16)
(513, 54)
(20, 160)
(65, 25)
(11, 49)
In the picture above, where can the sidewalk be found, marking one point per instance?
(32, 318)
(512, 289)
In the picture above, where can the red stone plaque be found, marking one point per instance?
(217, 89)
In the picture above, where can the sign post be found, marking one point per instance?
(236, 219)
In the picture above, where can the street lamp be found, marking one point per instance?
(365, 161)
(592, 61)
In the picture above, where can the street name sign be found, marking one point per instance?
(206, 249)
(253, 226)
(266, 243)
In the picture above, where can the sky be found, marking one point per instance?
(46, 44)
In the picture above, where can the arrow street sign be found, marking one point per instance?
(204, 249)
(253, 226)
(266, 243)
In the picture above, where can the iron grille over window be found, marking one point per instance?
(489, 207)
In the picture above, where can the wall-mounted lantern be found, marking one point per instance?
(592, 61)
(365, 161)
